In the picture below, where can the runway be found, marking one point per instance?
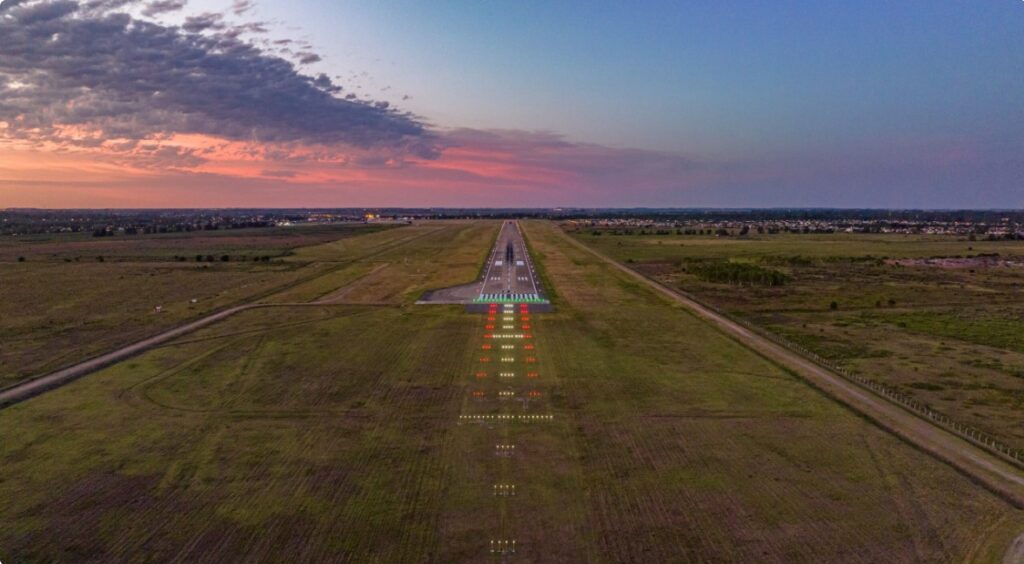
(509, 276)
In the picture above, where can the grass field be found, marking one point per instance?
(57, 310)
(952, 338)
(332, 432)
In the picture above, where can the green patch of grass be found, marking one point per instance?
(984, 329)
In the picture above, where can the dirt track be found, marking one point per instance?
(25, 390)
(991, 472)
(31, 388)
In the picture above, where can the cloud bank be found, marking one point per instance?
(82, 74)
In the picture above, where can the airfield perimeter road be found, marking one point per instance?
(992, 472)
(31, 388)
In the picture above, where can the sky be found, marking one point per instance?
(263, 103)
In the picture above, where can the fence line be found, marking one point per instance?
(966, 432)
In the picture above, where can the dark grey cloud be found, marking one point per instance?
(157, 7)
(135, 79)
(43, 12)
(7, 4)
(307, 58)
(240, 7)
(203, 22)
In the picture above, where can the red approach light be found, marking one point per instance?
(531, 359)
(489, 326)
(526, 326)
(528, 347)
(527, 336)
(532, 374)
(488, 336)
(485, 359)
(534, 394)
(494, 306)
(481, 374)
(486, 347)
(525, 318)
(478, 393)
(490, 318)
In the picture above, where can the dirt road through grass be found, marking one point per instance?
(993, 473)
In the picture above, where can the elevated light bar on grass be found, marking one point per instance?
(506, 417)
(503, 546)
(505, 490)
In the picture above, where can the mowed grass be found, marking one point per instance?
(55, 313)
(692, 448)
(304, 434)
(952, 338)
(282, 433)
(331, 433)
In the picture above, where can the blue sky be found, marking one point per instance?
(752, 76)
(909, 103)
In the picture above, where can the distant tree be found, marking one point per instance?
(199, 258)
(744, 230)
(265, 258)
(21, 259)
(99, 258)
(878, 303)
(892, 302)
(833, 305)
(225, 258)
(209, 258)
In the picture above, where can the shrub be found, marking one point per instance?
(738, 273)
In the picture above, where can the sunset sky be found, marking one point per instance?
(195, 103)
